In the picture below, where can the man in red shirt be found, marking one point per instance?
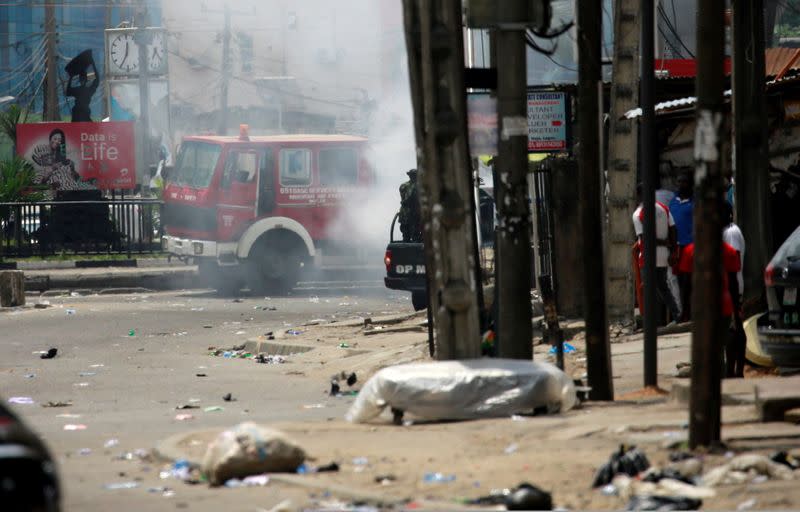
(731, 308)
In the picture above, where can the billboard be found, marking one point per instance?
(80, 156)
(547, 121)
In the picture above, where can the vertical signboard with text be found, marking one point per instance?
(548, 121)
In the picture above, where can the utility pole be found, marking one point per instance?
(51, 110)
(622, 150)
(226, 74)
(648, 172)
(513, 251)
(598, 350)
(436, 72)
(751, 143)
(708, 331)
(106, 92)
(142, 42)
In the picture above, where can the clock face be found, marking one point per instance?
(124, 53)
(156, 52)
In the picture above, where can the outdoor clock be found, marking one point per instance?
(122, 51)
(123, 54)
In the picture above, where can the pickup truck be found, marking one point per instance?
(405, 268)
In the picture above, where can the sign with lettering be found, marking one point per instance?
(548, 121)
(80, 156)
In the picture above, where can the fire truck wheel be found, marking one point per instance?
(419, 300)
(276, 266)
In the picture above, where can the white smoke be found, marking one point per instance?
(305, 60)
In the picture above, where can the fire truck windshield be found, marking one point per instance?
(196, 164)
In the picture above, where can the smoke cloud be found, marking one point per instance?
(310, 66)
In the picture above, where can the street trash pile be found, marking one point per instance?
(462, 390)
(628, 474)
(249, 449)
(681, 484)
(241, 353)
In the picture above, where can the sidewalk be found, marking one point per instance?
(99, 275)
(558, 453)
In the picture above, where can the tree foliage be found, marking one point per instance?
(16, 181)
(9, 119)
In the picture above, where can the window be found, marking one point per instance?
(245, 51)
(196, 164)
(240, 167)
(295, 167)
(338, 166)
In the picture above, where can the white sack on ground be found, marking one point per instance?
(249, 449)
(744, 468)
(460, 390)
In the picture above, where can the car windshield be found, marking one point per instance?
(196, 164)
(789, 251)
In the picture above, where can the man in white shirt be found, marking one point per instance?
(666, 241)
(733, 236)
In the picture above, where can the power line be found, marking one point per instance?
(672, 29)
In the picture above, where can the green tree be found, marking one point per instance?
(9, 119)
(16, 183)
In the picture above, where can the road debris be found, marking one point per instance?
(663, 503)
(228, 397)
(250, 481)
(746, 468)
(21, 400)
(478, 388)
(121, 485)
(385, 479)
(438, 478)
(628, 460)
(50, 354)
(111, 443)
(184, 417)
(250, 449)
(184, 407)
(269, 359)
(568, 349)
(71, 427)
(214, 408)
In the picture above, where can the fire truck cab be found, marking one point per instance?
(258, 211)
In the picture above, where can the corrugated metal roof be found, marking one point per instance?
(668, 105)
(776, 59)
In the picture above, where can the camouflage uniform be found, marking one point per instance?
(409, 218)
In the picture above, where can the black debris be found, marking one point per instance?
(228, 397)
(628, 460)
(50, 354)
(328, 468)
(663, 503)
(352, 379)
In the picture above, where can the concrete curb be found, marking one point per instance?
(131, 279)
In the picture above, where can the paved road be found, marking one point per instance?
(126, 387)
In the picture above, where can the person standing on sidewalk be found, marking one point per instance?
(682, 209)
(666, 250)
(736, 341)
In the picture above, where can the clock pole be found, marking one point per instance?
(143, 153)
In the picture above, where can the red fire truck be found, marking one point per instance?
(259, 211)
